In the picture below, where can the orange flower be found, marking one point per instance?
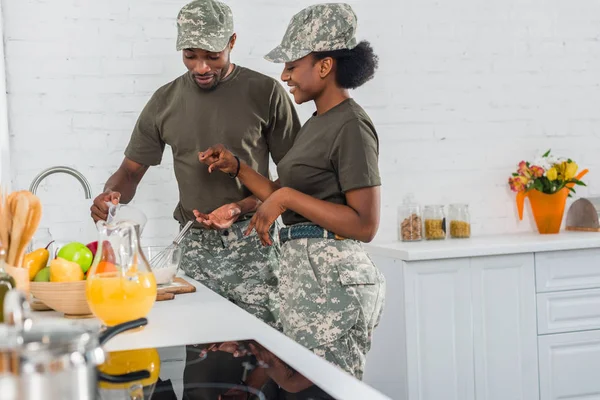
(524, 169)
(518, 183)
(536, 172)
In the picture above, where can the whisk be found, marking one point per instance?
(165, 257)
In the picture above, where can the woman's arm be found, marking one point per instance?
(359, 219)
(218, 157)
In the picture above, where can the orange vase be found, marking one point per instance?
(547, 209)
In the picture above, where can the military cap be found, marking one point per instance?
(204, 24)
(321, 27)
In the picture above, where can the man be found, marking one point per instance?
(214, 102)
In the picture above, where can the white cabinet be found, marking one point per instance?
(569, 365)
(439, 334)
(507, 326)
(567, 270)
(504, 327)
(466, 330)
(570, 311)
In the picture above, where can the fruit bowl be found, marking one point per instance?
(65, 297)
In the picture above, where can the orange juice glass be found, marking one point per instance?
(120, 284)
(114, 298)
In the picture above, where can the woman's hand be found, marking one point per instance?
(218, 157)
(266, 215)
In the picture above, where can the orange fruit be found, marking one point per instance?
(105, 266)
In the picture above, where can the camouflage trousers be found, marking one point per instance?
(332, 298)
(237, 267)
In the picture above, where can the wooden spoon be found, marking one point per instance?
(20, 211)
(33, 220)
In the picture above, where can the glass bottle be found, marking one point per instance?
(7, 283)
(435, 222)
(460, 221)
(120, 284)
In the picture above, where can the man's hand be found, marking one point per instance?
(99, 209)
(221, 218)
(218, 157)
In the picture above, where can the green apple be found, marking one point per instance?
(43, 275)
(77, 252)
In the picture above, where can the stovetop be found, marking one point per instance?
(208, 371)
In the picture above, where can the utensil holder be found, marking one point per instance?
(21, 277)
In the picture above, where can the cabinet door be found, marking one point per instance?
(569, 365)
(439, 337)
(569, 311)
(504, 325)
(567, 270)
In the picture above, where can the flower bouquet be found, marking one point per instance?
(547, 182)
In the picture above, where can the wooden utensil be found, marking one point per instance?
(20, 215)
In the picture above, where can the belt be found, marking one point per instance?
(306, 232)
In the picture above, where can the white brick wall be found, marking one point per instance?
(465, 90)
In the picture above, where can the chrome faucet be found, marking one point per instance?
(65, 170)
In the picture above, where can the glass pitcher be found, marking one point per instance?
(120, 284)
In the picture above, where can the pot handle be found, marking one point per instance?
(124, 378)
(125, 326)
(17, 311)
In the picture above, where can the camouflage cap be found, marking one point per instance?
(204, 24)
(321, 27)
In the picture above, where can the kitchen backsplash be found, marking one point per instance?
(465, 90)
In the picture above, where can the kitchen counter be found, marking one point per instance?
(205, 317)
(485, 245)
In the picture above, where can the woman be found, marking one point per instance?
(332, 295)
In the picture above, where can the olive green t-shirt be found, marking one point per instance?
(334, 153)
(248, 112)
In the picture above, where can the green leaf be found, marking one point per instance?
(515, 174)
(546, 154)
(578, 182)
(571, 189)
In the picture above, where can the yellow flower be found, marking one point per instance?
(560, 169)
(571, 170)
(552, 174)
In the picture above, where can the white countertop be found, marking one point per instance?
(205, 317)
(485, 245)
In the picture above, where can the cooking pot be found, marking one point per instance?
(56, 359)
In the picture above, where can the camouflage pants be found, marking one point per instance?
(237, 267)
(332, 298)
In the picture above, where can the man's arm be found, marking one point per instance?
(119, 188)
(126, 179)
(284, 124)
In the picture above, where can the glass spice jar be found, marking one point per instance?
(435, 222)
(460, 221)
(410, 223)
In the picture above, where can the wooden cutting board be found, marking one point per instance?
(179, 286)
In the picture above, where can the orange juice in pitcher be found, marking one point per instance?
(120, 284)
